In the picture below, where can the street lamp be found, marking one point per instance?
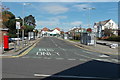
(90, 8)
(23, 18)
(89, 14)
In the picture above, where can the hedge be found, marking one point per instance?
(113, 38)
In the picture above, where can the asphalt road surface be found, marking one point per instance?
(55, 58)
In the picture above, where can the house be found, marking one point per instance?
(48, 32)
(44, 31)
(74, 33)
(107, 24)
(55, 31)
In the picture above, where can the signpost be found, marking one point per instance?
(18, 27)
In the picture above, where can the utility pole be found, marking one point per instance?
(23, 21)
(89, 25)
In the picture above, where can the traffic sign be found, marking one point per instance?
(17, 25)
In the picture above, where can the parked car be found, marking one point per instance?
(11, 40)
(15, 39)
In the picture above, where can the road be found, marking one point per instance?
(53, 57)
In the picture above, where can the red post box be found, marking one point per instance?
(6, 42)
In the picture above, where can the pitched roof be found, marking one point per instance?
(102, 22)
(45, 29)
(58, 29)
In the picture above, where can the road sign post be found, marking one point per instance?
(18, 27)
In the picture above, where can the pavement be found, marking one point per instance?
(97, 48)
(15, 49)
(54, 58)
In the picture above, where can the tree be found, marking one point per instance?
(29, 22)
(108, 32)
(9, 22)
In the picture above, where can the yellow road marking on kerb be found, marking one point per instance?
(91, 50)
(24, 53)
(95, 51)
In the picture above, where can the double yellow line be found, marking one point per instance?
(24, 53)
(91, 50)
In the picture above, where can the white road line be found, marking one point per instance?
(60, 58)
(37, 53)
(85, 56)
(115, 60)
(103, 56)
(71, 59)
(40, 50)
(83, 59)
(54, 42)
(90, 53)
(50, 54)
(41, 75)
(57, 53)
(62, 48)
(64, 76)
(42, 53)
(46, 58)
(103, 60)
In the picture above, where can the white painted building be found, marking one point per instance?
(102, 25)
(48, 32)
(55, 31)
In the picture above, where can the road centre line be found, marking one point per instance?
(53, 42)
(57, 45)
(62, 48)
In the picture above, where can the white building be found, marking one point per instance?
(102, 25)
(48, 32)
(55, 31)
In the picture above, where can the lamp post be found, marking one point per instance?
(89, 8)
(23, 20)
